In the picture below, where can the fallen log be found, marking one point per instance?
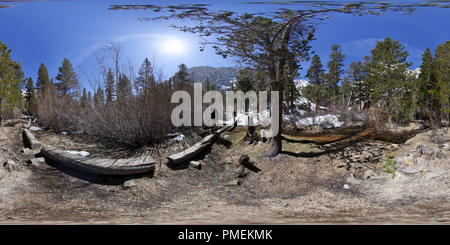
(192, 151)
(100, 166)
(34, 143)
(11, 122)
(28, 125)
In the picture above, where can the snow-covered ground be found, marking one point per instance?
(300, 117)
(326, 121)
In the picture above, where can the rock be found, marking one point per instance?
(244, 159)
(422, 149)
(129, 183)
(195, 164)
(369, 174)
(414, 171)
(10, 165)
(27, 151)
(234, 182)
(409, 161)
(37, 160)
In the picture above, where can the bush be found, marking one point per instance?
(55, 111)
(133, 122)
(389, 166)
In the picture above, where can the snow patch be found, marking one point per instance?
(325, 121)
(81, 153)
(177, 136)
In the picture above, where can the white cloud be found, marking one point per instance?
(360, 47)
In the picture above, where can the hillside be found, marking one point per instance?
(220, 75)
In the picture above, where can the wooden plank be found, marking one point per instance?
(34, 143)
(192, 151)
(100, 166)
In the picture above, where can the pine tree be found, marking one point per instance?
(30, 96)
(387, 71)
(68, 79)
(99, 96)
(109, 87)
(146, 80)
(315, 74)
(245, 80)
(355, 82)
(182, 80)
(17, 98)
(84, 99)
(335, 71)
(427, 88)
(43, 79)
(442, 54)
(207, 84)
(9, 80)
(123, 88)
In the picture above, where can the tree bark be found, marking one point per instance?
(277, 85)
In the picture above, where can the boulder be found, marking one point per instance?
(244, 159)
(10, 165)
(195, 164)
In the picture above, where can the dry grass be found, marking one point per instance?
(338, 182)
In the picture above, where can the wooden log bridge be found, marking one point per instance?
(192, 151)
(34, 143)
(100, 166)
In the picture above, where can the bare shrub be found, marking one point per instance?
(377, 118)
(352, 115)
(123, 118)
(134, 122)
(56, 111)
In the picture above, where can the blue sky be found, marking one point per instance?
(49, 31)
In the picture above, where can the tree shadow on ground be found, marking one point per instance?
(252, 167)
(353, 155)
(92, 177)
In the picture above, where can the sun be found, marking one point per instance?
(174, 46)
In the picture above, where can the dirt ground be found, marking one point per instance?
(341, 182)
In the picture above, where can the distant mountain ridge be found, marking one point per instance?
(221, 76)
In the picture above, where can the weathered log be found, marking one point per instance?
(34, 143)
(27, 125)
(11, 122)
(191, 151)
(195, 149)
(100, 166)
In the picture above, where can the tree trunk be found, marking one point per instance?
(276, 76)
(317, 102)
(292, 90)
(276, 147)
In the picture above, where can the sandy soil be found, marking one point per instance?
(339, 182)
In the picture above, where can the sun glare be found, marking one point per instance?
(174, 46)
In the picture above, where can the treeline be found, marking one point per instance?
(383, 85)
(12, 81)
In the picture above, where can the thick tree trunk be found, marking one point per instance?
(277, 79)
(276, 147)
